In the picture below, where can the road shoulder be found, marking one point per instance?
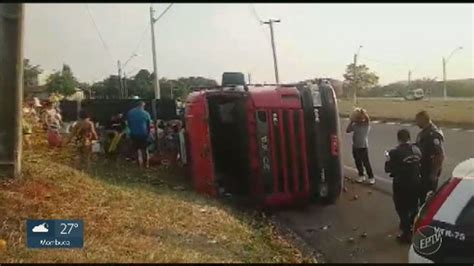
(329, 229)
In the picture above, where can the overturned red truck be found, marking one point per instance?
(277, 145)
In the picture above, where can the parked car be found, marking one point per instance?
(414, 95)
(444, 227)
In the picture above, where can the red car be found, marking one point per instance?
(277, 145)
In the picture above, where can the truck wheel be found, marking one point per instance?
(329, 193)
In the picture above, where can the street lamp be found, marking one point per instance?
(445, 62)
(355, 74)
(125, 75)
(128, 60)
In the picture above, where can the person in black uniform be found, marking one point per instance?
(430, 141)
(403, 164)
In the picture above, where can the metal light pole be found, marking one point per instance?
(445, 62)
(356, 83)
(125, 92)
(120, 79)
(270, 23)
(409, 78)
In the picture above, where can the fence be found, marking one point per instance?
(101, 110)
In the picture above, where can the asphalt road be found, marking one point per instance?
(335, 231)
(329, 229)
(459, 146)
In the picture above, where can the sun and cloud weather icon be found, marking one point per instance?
(42, 228)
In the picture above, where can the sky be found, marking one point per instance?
(312, 40)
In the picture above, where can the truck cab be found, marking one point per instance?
(275, 145)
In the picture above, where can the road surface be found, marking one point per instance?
(459, 146)
(329, 228)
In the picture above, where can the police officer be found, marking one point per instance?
(403, 164)
(430, 141)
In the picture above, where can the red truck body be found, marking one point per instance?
(253, 143)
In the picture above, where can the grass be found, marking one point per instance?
(450, 112)
(129, 215)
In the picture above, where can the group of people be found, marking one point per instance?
(46, 115)
(136, 128)
(414, 167)
(136, 136)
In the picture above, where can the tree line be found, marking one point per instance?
(366, 83)
(359, 78)
(65, 83)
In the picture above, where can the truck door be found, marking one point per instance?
(201, 163)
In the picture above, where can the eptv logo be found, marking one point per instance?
(427, 240)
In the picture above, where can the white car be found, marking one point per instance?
(444, 227)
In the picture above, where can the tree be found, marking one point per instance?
(141, 85)
(362, 81)
(30, 73)
(62, 82)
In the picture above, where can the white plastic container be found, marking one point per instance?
(96, 147)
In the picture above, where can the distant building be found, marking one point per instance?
(77, 96)
(40, 92)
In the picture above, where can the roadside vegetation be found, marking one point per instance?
(449, 112)
(130, 216)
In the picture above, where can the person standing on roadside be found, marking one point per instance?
(403, 164)
(84, 133)
(359, 125)
(139, 122)
(430, 141)
(53, 121)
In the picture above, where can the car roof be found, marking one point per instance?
(461, 195)
(464, 169)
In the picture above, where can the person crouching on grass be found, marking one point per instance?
(84, 133)
(359, 125)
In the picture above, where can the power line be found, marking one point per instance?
(254, 12)
(164, 12)
(141, 39)
(148, 26)
(98, 32)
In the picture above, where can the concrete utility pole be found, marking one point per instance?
(409, 78)
(356, 83)
(120, 79)
(270, 23)
(156, 82)
(445, 62)
(249, 79)
(11, 88)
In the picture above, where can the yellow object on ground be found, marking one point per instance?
(115, 142)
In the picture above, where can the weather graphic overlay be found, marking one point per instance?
(55, 233)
